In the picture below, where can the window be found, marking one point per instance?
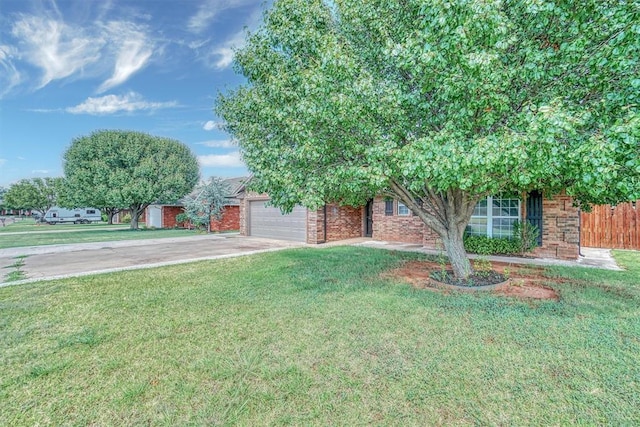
(403, 210)
(91, 211)
(388, 207)
(494, 217)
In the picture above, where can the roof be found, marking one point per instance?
(236, 186)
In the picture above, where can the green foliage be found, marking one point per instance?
(127, 169)
(527, 234)
(524, 240)
(206, 202)
(182, 217)
(439, 103)
(126, 218)
(36, 194)
(484, 245)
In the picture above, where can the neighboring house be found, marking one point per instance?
(164, 215)
(390, 220)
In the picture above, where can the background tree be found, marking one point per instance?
(114, 169)
(206, 202)
(36, 194)
(3, 191)
(439, 104)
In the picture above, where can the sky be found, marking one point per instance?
(70, 67)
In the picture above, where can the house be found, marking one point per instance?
(390, 220)
(164, 215)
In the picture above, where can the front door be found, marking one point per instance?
(368, 219)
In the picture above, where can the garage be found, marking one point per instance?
(269, 222)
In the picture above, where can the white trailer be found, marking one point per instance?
(58, 215)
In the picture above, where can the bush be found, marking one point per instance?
(525, 240)
(484, 245)
(126, 219)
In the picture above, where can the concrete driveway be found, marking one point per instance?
(60, 261)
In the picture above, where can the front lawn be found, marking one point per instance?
(317, 337)
(87, 236)
(24, 225)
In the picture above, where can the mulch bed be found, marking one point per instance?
(525, 282)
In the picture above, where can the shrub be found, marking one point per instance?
(126, 218)
(484, 245)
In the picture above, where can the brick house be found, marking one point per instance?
(164, 215)
(389, 220)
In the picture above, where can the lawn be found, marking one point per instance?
(32, 226)
(87, 236)
(317, 337)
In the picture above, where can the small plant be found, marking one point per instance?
(126, 218)
(506, 272)
(482, 267)
(17, 273)
(527, 235)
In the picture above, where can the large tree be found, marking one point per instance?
(36, 194)
(439, 104)
(125, 169)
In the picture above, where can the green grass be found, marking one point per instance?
(317, 337)
(86, 236)
(31, 226)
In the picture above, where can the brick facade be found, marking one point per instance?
(560, 232)
(230, 220)
(342, 222)
(559, 236)
(396, 228)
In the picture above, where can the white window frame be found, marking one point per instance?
(490, 217)
(400, 204)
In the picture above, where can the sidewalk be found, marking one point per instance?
(590, 257)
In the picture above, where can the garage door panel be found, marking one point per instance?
(269, 222)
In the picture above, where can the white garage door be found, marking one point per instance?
(267, 221)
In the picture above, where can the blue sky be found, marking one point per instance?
(68, 68)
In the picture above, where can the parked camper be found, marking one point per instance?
(57, 215)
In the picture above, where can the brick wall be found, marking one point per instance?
(560, 234)
(230, 220)
(395, 228)
(342, 222)
(169, 216)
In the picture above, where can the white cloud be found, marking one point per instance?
(223, 53)
(111, 104)
(9, 76)
(210, 9)
(40, 171)
(225, 143)
(210, 125)
(224, 160)
(133, 52)
(59, 50)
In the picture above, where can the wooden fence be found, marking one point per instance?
(615, 228)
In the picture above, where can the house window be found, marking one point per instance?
(403, 210)
(388, 207)
(494, 217)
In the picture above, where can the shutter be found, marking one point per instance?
(388, 207)
(534, 212)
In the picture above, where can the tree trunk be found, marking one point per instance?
(454, 245)
(136, 211)
(110, 217)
